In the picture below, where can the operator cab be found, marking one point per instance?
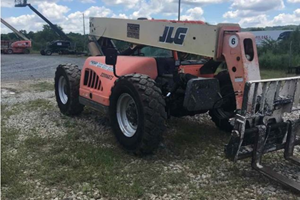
(165, 59)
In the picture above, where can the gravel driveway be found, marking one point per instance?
(33, 66)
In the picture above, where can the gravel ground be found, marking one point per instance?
(33, 66)
(190, 163)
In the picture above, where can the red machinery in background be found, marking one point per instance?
(10, 47)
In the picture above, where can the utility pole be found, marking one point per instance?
(83, 31)
(83, 23)
(179, 1)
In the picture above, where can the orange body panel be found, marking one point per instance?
(101, 90)
(98, 78)
(240, 68)
(21, 44)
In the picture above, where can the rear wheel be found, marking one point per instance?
(137, 113)
(221, 116)
(9, 51)
(67, 81)
(48, 53)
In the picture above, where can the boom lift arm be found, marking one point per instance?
(23, 3)
(14, 30)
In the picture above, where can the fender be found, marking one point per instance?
(97, 78)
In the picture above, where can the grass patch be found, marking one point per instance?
(8, 111)
(11, 165)
(42, 86)
(268, 74)
(38, 104)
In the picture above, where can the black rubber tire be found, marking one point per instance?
(151, 113)
(71, 74)
(42, 52)
(10, 51)
(26, 51)
(48, 53)
(222, 115)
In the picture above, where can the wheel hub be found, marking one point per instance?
(127, 115)
(62, 90)
(131, 113)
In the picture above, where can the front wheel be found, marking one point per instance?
(137, 113)
(48, 53)
(220, 116)
(10, 51)
(67, 81)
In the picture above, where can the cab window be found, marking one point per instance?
(155, 52)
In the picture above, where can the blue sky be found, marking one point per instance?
(68, 13)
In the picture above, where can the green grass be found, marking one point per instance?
(268, 74)
(42, 86)
(82, 159)
(69, 160)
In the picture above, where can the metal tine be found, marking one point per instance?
(271, 96)
(285, 89)
(292, 87)
(279, 85)
(263, 98)
(297, 95)
(254, 100)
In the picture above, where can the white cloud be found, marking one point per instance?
(287, 19)
(87, 1)
(57, 14)
(203, 2)
(279, 20)
(152, 7)
(248, 8)
(74, 21)
(257, 21)
(23, 22)
(293, 1)
(126, 3)
(257, 5)
(53, 11)
(193, 14)
(96, 11)
(238, 13)
(122, 16)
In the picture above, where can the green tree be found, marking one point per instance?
(278, 54)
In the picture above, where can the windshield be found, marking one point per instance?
(155, 52)
(190, 59)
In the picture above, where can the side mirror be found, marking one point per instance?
(111, 56)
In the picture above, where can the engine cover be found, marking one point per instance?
(202, 94)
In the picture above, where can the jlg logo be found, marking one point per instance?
(179, 35)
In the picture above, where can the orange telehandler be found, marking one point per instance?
(170, 69)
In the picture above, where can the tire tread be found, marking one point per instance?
(154, 116)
